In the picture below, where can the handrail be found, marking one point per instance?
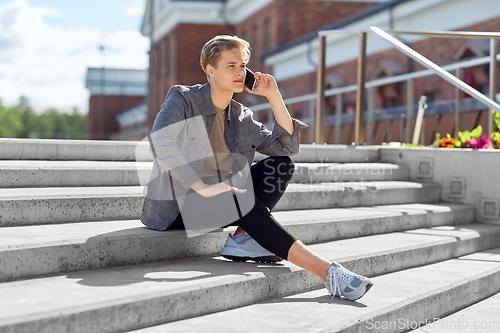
(436, 69)
(361, 74)
(362, 85)
(378, 82)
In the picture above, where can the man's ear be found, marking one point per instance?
(210, 70)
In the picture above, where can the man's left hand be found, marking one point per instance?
(265, 85)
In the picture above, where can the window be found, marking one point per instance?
(350, 108)
(433, 96)
(391, 94)
(391, 102)
(473, 48)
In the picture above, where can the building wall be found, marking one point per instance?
(101, 120)
(284, 20)
(303, 16)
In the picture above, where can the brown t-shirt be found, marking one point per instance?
(220, 149)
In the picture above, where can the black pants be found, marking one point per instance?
(270, 177)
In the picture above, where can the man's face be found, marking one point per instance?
(230, 72)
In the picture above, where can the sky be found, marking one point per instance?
(46, 47)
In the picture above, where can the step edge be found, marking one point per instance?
(294, 272)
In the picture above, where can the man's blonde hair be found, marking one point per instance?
(210, 53)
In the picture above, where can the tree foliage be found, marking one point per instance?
(22, 121)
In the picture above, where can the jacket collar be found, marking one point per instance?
(208, 105)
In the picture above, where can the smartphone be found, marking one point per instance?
(250, 79)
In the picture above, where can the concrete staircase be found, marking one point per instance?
(75, 258)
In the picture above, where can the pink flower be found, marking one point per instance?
(484, 139)
(481, 142)
(472, 143)
(489, 144)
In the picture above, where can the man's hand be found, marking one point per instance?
(211, 190)
(265, 85)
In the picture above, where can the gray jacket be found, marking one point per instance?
(180, 144)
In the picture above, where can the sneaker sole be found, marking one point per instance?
(265, 259)
(368, 287)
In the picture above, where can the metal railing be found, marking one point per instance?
(361, 75)
(458, 67)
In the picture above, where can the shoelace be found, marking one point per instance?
(334, 283)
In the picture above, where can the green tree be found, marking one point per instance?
(11, 124)
(22, 121)
(77, 122)
(29, 118)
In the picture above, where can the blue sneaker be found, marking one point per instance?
(342, 282)
(243, 248)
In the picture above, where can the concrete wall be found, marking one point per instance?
(466, 175)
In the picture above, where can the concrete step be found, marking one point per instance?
(30, 206)
(479, 317)
(348, 172)
(30, 251)
(335, 154)
(397, 302)
(64, 150)
(128, 298)
(29, 173)
(27, 206)
(353, 194)
(25, 174)
(94, 150)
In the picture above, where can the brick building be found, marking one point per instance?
(283, 36)
(114, 92)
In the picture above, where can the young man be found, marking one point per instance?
(199, 140)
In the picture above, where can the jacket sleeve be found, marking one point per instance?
(279, 142)
(169, 123)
